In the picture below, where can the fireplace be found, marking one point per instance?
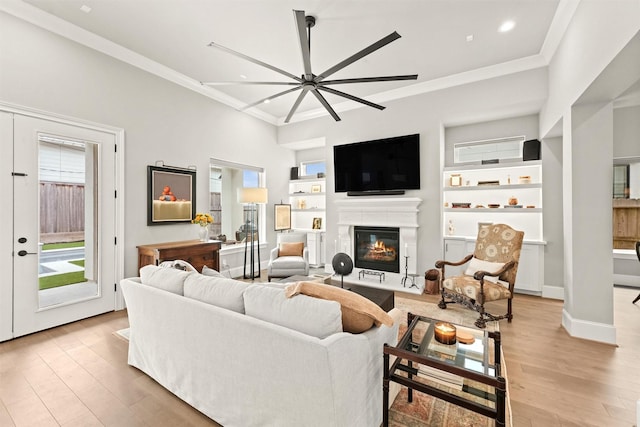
(377, 248)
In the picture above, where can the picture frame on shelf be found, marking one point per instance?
(317, 224)
(455, 180)
(282, 217)
(171, 195)
(316, 188)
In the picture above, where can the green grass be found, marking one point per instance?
(49, 246)
(63, 279)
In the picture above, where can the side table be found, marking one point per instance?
(467, 375)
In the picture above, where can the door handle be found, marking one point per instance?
(23, 253)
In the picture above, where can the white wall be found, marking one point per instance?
(162, 121)
(598, 31)
(626, 132)
(426, 114)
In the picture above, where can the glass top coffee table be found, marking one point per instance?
(458, 364)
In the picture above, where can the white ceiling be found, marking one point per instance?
(175, 34)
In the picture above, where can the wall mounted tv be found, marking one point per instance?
(382, 166)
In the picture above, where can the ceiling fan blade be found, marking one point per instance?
(249, 83)
(369, 79)
(325, 104)
(304, 42)
(255, 61)
(296, 104)
(351, 97)
(269, 98)
(353, 58)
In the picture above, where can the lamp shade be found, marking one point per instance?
(252, 195)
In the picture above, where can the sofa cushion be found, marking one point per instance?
(218, 291)
(291, 249)
(358, 313)
(287, 262)
(168, 279)
(311, 316)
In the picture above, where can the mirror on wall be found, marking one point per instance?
(225, 178)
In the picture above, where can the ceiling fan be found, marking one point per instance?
(310, 82)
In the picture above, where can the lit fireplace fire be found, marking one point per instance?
(380, 252)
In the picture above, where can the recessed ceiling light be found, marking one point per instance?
(506, 26)
(470, 38)
(266, 101)
(85, 8)
(242, 76)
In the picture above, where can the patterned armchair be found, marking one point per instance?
(490, 274)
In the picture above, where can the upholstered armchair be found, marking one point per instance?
(290, 257)
(490, 274)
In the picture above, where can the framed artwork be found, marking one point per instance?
(317, 223)
(316, 188)
(282, 215)
(455, 180)
(171, 195)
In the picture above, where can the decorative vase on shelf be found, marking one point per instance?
(513, 201)
(451, 229)
(203, 233)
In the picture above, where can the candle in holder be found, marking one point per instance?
(445, 333)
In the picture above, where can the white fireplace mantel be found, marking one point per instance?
(401, 212)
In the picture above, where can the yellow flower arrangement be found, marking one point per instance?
(202, 219)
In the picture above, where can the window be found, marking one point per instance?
(490, 149)
(313, 167)
(225, 178)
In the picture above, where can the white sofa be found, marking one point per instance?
(235, 351)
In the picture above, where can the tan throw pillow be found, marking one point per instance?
(358, 313)
(291, 249)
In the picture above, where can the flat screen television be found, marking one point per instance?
(382, 166)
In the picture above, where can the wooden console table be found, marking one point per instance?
(194, 252)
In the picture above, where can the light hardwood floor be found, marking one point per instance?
(77, 375)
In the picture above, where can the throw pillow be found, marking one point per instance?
(358, 313)
(291, 249)
(178, 264)
(168, 279)
(211, 272)
(311, 316)
(480, 265)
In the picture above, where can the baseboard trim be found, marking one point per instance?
(553, 292)
(627, 280)
(588, 330)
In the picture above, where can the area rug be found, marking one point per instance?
(425, 410)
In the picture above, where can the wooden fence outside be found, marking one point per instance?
(61, 207)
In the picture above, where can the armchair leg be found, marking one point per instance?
(509, 312)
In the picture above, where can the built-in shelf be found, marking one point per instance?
(493, 187)
(495, 210)
(307, 197)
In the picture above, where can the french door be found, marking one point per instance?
(62, 223)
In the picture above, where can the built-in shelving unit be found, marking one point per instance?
(307, 197)
(488, 189)
(480, 186)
